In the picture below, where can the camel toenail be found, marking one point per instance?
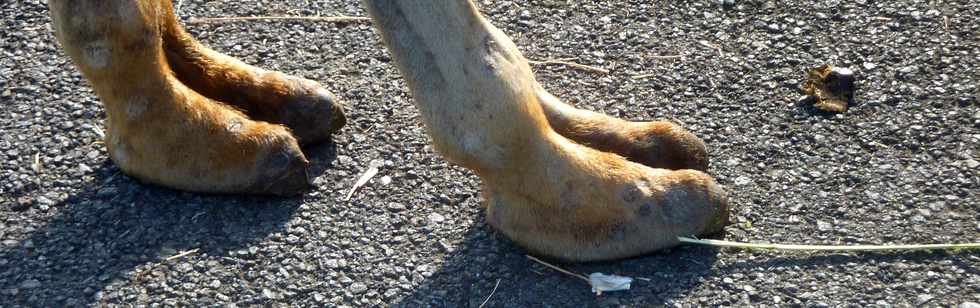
(284, 173)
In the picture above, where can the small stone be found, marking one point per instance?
(396, 207)
(30, 284)
(969, 305)
(23, 203)
(107, 192)
(610, 302)
(436, 218)
(921, 299)
(269, 294)
(319, 298)
(45, 201)
(184, 267)
(823, 226)
(385, 180)
(358, 288)
(869, 65)
(742, 180)
(727, 280)
(971, 163)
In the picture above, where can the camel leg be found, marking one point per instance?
(158, 130)
(482, 109)
(309, 110)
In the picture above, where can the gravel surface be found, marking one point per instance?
(901, 166)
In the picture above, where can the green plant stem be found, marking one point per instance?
(717, 243)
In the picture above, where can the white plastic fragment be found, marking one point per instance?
(368, 174)
(607, 283)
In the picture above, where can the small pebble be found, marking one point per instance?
(30, 284)
(436, 218)
(358, 288)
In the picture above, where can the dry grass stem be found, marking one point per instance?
(572, 65)
(563, 271)
(839, 248)
(491, 294)
(181, 255)
(335, 19)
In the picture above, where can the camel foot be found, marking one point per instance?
(551, 194)
(159, 130)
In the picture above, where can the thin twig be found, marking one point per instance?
(138, 275)
(181, 255)
(717, 243)
(563, 271)
(571, 64)
(946, 24)
(716, 47)
(491, 294)
(337, 19)
(643, 76)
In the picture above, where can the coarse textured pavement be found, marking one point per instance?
(901, 166)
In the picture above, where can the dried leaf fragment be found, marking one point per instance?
(830, 88)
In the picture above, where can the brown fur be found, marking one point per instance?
(158, 129)
(484, 110)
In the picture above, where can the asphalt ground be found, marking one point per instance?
(901, 166)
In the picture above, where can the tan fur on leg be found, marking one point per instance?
(483, 110)
(158, 130)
